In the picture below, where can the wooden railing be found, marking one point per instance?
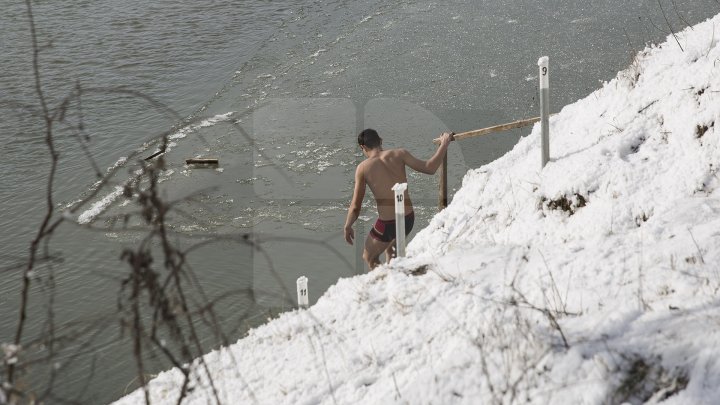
(442, 200)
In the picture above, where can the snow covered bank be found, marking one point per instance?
(593, 281)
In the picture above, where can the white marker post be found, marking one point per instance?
(302, 292)
(544, 108)
(399, 189)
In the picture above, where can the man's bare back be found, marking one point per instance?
(381, 171)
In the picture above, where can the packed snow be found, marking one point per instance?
(594, 280)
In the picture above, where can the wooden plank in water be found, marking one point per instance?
(202, 161)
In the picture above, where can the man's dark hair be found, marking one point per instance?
(369, 138)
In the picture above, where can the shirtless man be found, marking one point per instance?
(381, 170)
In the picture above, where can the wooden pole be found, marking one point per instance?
(489, 130)
(442, 200)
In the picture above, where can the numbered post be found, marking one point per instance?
(544, 108)
(302, 292)
(399, 189)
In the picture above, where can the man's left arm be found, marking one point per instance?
(431, 165)
(355, 205)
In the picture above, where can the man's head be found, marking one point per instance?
(369, 139)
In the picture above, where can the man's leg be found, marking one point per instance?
(372, 251)
(390, 251)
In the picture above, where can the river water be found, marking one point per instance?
(276, 91)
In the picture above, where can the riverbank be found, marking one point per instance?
(592, 280)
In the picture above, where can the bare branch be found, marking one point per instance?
(669, 26)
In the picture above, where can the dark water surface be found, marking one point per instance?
(279, 90)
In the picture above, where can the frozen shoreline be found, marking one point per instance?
(593, 280)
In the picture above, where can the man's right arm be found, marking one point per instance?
(355, 204)
(431, 165)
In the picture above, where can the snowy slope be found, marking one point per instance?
(594, 280)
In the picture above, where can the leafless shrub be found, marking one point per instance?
(511, 353)
(669, 25)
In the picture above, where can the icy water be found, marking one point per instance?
(277, 91)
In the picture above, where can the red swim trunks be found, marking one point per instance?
(384, 231)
